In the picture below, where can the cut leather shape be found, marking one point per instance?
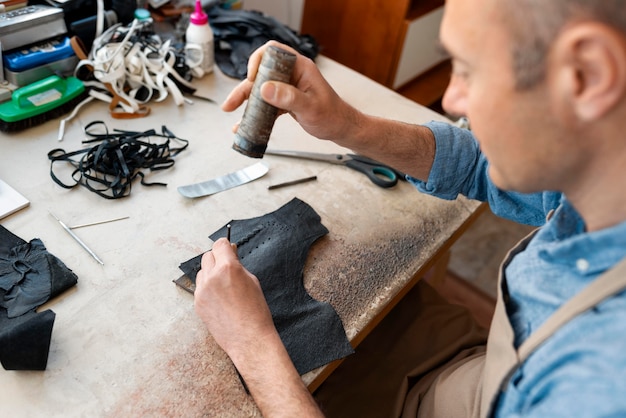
(25, 340)
(29, 277)
(238, 33)
(274, 248)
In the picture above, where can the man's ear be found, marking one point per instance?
(591, 60)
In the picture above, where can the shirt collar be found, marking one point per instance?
(567, 242)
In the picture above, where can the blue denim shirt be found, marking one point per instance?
(581, 370)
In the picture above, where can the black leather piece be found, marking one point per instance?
(238, 33)
(25, 340)
(274, 248)
(29, 277)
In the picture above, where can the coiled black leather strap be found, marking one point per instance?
(109, 168)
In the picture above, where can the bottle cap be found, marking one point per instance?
(198, 17)
(142, 14)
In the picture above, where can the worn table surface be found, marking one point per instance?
(126, 341)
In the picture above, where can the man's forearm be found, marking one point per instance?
(406, 147)
(274, 382)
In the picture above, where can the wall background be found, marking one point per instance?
(288, 12)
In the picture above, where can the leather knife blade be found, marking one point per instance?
(225, 182)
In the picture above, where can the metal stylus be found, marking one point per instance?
(78, 240)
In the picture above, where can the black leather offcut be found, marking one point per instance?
(109, 168)
(29, 277)
(274, 248)
(237, 33)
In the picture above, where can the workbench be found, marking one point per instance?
(126, 340)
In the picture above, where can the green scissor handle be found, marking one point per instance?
(378, 173)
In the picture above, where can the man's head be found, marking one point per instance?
(535, 24)
(543, 84)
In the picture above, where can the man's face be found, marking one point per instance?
(513, 127)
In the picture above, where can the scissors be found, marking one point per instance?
(379, 174)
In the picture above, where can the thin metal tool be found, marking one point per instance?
(232, 244)
(73, 235)
(291, 183)
(98, 222)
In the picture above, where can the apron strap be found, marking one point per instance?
(502, 359)
(611, 282)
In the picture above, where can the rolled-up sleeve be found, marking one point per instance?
(460, 167)
(457, 160)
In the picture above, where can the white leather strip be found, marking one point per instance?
(135, 72)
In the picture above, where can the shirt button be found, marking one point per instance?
(582, 265)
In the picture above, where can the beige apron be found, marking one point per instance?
(482, 376)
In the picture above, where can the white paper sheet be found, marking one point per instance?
(10, 200)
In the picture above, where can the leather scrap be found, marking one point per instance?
(29, 277)
(274, 248)
(238, 33)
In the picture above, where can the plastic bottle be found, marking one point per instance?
(199, 53)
